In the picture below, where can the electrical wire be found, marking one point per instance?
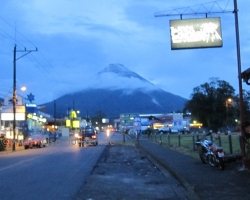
(36, 63)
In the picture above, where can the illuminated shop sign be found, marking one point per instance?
(72, 123)
(75, 124)
(31, 105)
(36, 118)
(9, 109)
(10, 116)
(195, 33)
(31, 108)
(68, 123)
(7, 113)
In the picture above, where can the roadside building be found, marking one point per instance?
(28, 119)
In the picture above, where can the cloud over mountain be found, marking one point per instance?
(117, 76)
(115, 90)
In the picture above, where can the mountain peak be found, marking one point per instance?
(115, 68)
(120, 70)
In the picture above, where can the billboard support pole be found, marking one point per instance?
(242, 115)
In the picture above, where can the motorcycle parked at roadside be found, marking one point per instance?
(210, 153)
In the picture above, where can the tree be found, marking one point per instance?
(208, 103)
(97, 119)
(246, 100)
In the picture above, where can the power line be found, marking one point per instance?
(51, 67)
(17, 31)
(45, 72)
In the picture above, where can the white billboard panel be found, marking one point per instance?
(104, 120)
(9, 100)
(195, 33)
(10, 116)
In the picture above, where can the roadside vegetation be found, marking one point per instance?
(216, 106)
(185, 143)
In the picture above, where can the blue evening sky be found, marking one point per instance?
(78, 38)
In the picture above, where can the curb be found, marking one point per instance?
(163, 166)
(9, 150)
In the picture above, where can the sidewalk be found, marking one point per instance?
(9, 149)
(202, 180)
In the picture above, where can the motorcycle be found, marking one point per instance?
(210, 153)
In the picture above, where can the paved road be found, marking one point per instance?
(54, 172)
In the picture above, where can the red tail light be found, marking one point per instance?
(93, 136)
(220, 150)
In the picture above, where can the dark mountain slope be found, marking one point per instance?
(115, 102)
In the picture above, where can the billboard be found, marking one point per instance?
(9, 101)
(127, 119)
(195, 33)
(7, 113)
(104, 120)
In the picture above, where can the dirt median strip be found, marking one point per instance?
(124, 172)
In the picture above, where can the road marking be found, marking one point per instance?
(16, 164)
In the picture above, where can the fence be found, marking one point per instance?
(230, 142)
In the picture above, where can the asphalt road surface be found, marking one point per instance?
(57, 171)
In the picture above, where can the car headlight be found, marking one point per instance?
(76, 135)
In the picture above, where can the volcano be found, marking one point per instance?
(115, 90)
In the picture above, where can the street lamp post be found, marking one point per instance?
(228, 102)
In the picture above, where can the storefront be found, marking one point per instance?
(29, 119)
(36, 120)
(7, 118)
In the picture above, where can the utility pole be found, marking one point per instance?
(55, 113)
(14, 92)
(87, 118)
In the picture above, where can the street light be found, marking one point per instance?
(23, 88)
(228, 102)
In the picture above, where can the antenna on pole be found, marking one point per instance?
(15, 32)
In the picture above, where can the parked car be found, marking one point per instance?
(88, 135)
(35, 141)
(167, 129)
(164, 129)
